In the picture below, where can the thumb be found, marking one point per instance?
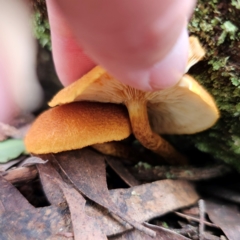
(142, 43)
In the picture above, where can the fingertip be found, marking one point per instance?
(164, 74)
(70, 60)
(170, 70)
(7, 105)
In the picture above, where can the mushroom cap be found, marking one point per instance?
(185, 108)
(97, 85)
(77, 125)
(196, 52)
(108, 89)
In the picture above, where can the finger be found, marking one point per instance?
(20, 90)
(7, 105)
(131, 35)
(70, 60)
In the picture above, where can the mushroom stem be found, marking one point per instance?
(149, 139)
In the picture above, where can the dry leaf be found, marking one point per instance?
(144, 202)
(48, 223)
(7, 165)
(86, 170)
(8, 131)
(31, 161)
(13, 132)
(21, 174)
(226, 216)
(11, 199)
(50, 186)
(122, 171)
(84, 227)
(162, 234)
(20, 220)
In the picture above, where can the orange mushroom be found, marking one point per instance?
(77, 125)
(185, 108)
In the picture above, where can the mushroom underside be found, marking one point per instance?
(185, 108)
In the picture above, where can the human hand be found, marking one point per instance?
(142, 43)
(19, 88)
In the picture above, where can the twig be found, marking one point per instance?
(172, 172)
(186, 229)
(195, 219)
(155, 227)
(201, 206)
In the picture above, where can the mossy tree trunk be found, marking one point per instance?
(217, 24)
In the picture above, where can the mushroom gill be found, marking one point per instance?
(185, 108)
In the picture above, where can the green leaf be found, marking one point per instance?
(11, 149)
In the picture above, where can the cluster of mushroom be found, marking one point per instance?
(91, 111)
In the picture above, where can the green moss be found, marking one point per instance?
(229, 29)
(216, 23)
(236, 3)
(42, 30)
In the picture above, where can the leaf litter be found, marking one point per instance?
(83, 172)
(95, 188)
(161, 233)
(17, 128)
(122, 171)
(226, 216)
(132, 201)
(108, 223)
(20, 220)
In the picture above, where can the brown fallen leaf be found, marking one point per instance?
(122, 171)
(144, 202)
(11, 131)
(11, 199)
(162, 234)
(7, 165)
(51, 188)
(21, 174)
(167, 194)
(41, 223)
(226, 216)
(84, 227)
(31, 161)
(7, 131)
(86, 170)
(57, 191)
(20, 220)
